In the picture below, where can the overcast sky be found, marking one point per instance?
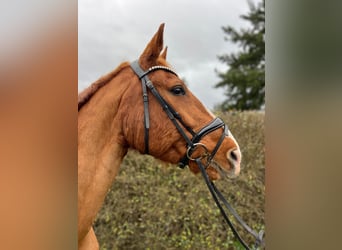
(111, 32)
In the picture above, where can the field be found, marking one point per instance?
(154, 205)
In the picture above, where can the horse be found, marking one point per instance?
(116, 113)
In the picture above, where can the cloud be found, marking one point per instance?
(114, 31)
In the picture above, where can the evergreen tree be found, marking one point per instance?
(244, 80)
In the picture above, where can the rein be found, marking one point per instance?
(192, 144)
(216, 194)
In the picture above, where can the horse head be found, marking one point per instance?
(165, 141)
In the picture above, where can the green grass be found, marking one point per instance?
(154, 205)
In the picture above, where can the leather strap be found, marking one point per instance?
(140, 72)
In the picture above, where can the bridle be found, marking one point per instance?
(192, 143)
(176, 119)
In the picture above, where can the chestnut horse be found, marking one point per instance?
(111, 120)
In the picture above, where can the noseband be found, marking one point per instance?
(192, 144)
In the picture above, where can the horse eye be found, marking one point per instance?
(178, 90)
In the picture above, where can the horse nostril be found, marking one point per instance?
(234, 160)
(234, 155)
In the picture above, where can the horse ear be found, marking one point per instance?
(164, 53)
(149, 57)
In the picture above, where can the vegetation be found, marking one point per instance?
(154, 205)
(244, 81)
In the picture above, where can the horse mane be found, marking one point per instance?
(87, 93)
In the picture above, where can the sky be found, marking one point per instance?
(110, 32)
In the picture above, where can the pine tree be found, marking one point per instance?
(244, 80)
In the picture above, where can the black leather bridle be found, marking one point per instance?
(175, 118)
(192, 144)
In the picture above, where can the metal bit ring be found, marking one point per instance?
(191, 149)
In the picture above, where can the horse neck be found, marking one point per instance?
(100, 149)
